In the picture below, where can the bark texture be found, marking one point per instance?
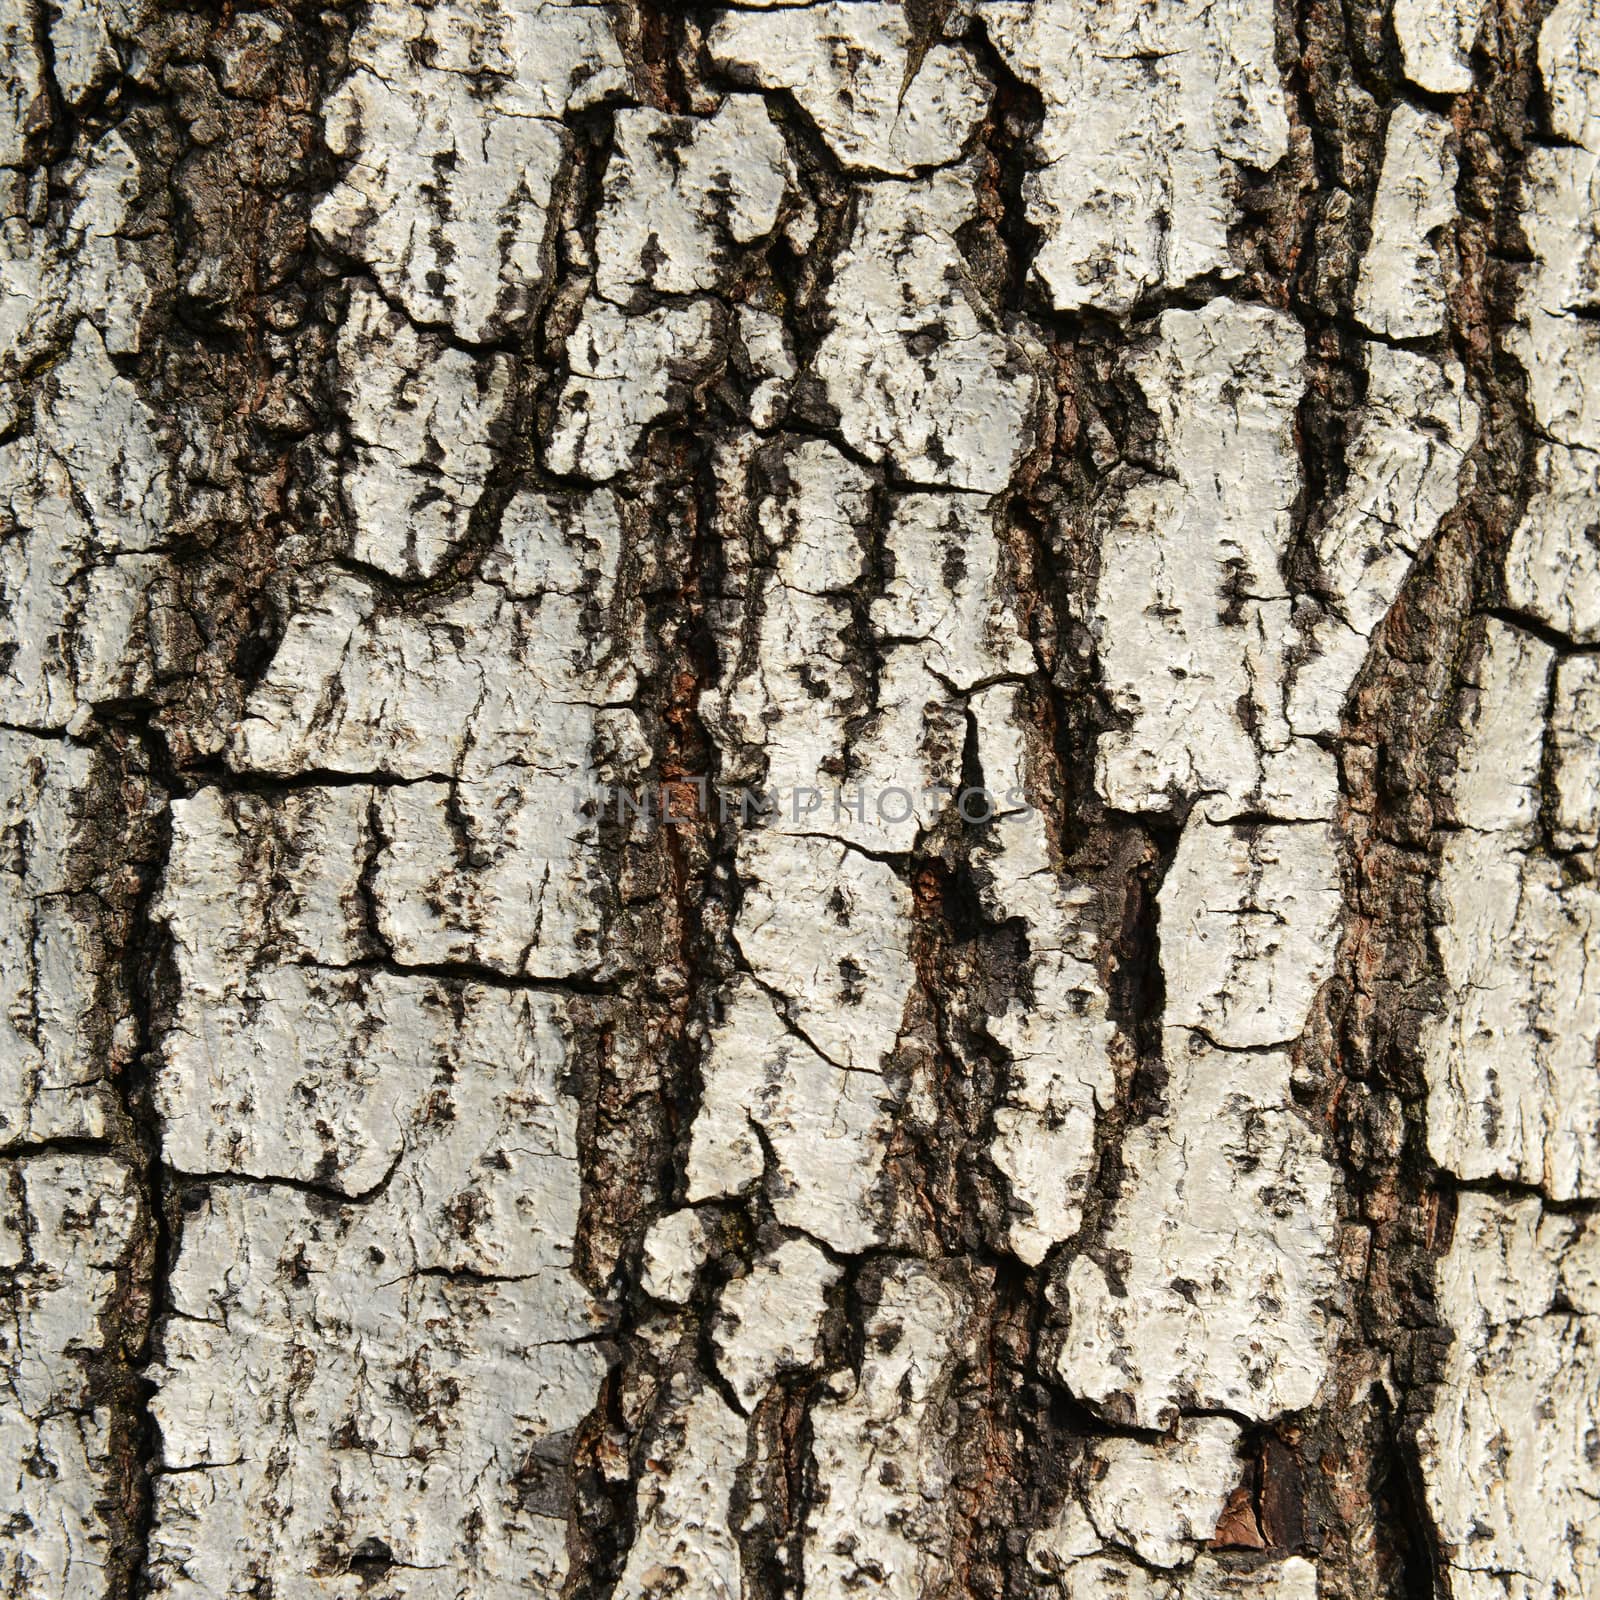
(438, 437)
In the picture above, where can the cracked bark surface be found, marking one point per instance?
(429, 428)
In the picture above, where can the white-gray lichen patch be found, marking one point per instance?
(852, 71)
(1059, 1076)
(1152, 111)
(949, 589)
(770, 1321)
(1086, 1574)
(24, 94)
(912, 362)
(1216, 1285)
(360, 688)
(84, 500)
(424, 420)
(90, 40)
(1193, 608)
(1575, 754)
(67, 1224)
(280, 1062)
(1161, 1498)
(519, 900)
(765, 1088)
(674, 1251)
(883, 1442)
(390, 1369)
(1248, 915)
(87, 264)
(1553, 566)
(378, 1343)
(1401, 290)
(769, 350)
(493, 698)
(1508, 1453)
(1214, 1282)
(54, 1078)
(850, 754)
(1512, 1088)
(794, 708)
(450, 123)
(682, 197)
(1436, 39)
(682, 192)
(1143, 1516)
(626, 372)
(791, 519)
(685, 1541)
(818, 920)
(85, 504)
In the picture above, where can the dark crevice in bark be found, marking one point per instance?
(147, 745)
(1365, 1487)
(1562, 644)
(1350, 1529)
(1003, 261)
(192, 1189)
(676, 897)
(1397, 1488)
(1023, 1484)
(148, 979)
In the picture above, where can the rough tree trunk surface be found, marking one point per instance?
(1176, 424)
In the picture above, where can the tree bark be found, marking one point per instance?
(800, 800)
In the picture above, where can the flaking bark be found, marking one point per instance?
(425, 1174)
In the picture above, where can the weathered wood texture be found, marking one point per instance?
(1169, 1176)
